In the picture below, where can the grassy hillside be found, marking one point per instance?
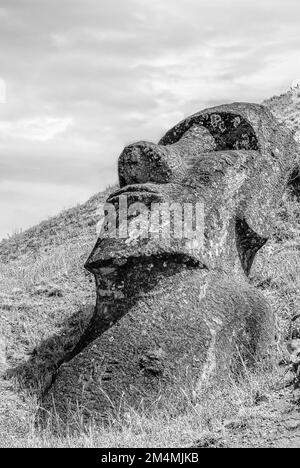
(46, 301)
(286, 108)
(68, 225)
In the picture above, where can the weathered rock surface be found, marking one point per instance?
(174, 311)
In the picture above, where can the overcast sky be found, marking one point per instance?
(83, 78)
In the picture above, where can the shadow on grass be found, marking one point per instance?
(37, 374)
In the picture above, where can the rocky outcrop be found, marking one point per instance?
(175, 310)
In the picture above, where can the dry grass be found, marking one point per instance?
(286, 109)
(179, 423)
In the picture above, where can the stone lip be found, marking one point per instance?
(109, 256)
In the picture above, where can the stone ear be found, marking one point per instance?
(257, 215)
(263, 195)
(266, 191)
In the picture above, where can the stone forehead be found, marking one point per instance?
(252, 121)
(252, 114)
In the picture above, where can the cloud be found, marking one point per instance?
(2, 91)
(84, 78)
(36, 129)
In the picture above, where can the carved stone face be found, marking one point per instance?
(175, 310)
(232, 162)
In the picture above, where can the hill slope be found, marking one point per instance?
(70, 224)
(46, 301)
(286, 108)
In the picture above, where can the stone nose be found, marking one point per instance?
(144, 162)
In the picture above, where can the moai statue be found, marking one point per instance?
(178, 310)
